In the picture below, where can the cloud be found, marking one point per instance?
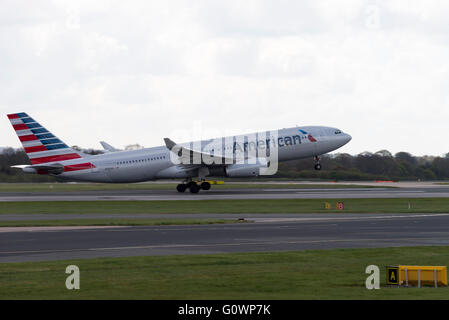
(142, 70)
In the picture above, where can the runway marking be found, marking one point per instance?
(281, 219)
(271, 220)
(55, 228)
(267, 193)
(257, 220)
(314, 190)
(215, 245)
(310, 191)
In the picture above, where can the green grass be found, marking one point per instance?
(113, 222)
(73, 187)
(318, 274)
(422, 205)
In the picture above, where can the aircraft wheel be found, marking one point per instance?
(181, 187)
(190, 183)
(318, 166)
(194, 188)
(205, 185)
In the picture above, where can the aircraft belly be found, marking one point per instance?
(303, 150)
(324, 147)
(134, 174)
(87, 176)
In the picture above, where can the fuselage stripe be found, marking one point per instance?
(61, 157)
(79, 166)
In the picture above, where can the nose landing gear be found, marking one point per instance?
(317, 163)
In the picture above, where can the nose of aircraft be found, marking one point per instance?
(344, 139)
(347, 138)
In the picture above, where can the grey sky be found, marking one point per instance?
(138, 71)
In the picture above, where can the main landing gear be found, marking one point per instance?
(317, 163)
(193, 186)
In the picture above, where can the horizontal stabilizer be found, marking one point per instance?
(41, 168)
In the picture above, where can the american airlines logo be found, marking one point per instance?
(309, 136)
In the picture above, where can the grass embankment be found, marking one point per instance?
(422, 205)
(319, 274)
(114, 222)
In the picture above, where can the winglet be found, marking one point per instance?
(169, 143)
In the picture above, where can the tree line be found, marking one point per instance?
(381, 165)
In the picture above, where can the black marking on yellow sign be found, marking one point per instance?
(393, 275)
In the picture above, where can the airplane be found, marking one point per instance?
(239, 156)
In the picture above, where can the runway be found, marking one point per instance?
(268, 232)
(225, 194)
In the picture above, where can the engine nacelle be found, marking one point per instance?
(175, 172)
(245, 170)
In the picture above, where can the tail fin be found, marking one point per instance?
(40, 145)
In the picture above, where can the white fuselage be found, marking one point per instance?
(156, 163)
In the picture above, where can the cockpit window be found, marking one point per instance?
(337, 132)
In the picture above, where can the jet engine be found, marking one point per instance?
(246, 169)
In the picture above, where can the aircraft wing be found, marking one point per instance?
(186, 155)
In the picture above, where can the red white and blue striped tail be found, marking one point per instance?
(40, 145)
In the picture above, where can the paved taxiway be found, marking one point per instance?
(269, 232)
(251, 193)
